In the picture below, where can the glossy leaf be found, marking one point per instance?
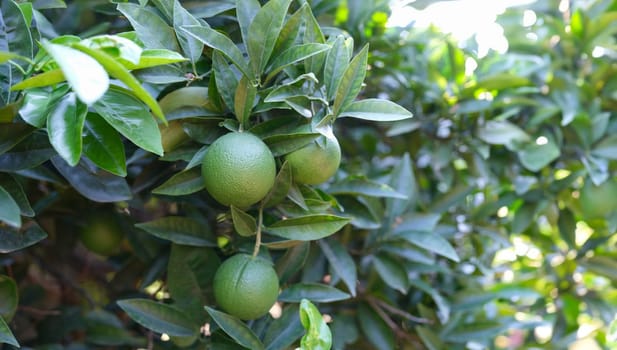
(155, 57)
(182, 183)
(103, 146)
(6, 336)
(282, 184)
(244, 99)
(118, 71)
(432, 242)
(341, 262)
(180, 230)
(244, 224)
(337, 61)
(286, 143)
(158, 317)
(292, 262)
(85, 75)
(376, 110)
(38, 103)
(263, 33)
(318, 335)
(392, 272)
(129, 117)
(65, 125)
(93, 183)
(351, 82)
(16, 191)
(51, 77)
(190, 46)
(226, 81)
(236, 329)
(12, 240)
(294, 55)
(310, 227)
(150, 28)
(220, 42)
(9, 210)
(319, 293)
(29, 153)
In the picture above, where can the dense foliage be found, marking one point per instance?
(486, 221)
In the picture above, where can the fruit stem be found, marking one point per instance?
(260, 219)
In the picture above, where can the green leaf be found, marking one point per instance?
(246, 10)
(38, 103)
(263, 33)
(282, 184)
(356, 185)
(341, 262)
(284, 331)
(158, 317)
(313, 34)
(286, 143)
(155, 57)
(236, 329)
(103, 146)
(151, 29)
(12, 134)
(600, 265)
(12, 240)
(180, 230)
(9, 210)
(27, 154)
(442, 305)
(16, 33)
(6, 336)
(16, 191)
(319, 293)
(502, 132)
(244, 99)
(93, 183)
(402, 180)
(220, 42)
(337, 61)
(190, 46)
(291, 29)
(51, 77)
(536, 156)
(225, 79)
(430, 339)
(292, 262)
(182, 183)
(129, 117)
(607, 148)
(85, 75)
(432, 242)
(307, 228)
(374, 328)
(65, 125)
(392, 272)
(351, 82)
(244, 223)
(118, 71)
(294, 55)
(318, 335)
(7, 56)
(8, 297)
(376, 110)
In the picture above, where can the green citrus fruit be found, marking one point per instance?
(238, 169)
(101, 233)
(598, 201)
(316, 162)
(246, 286)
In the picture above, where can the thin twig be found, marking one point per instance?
(391, 309)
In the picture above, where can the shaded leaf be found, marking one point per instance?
(356, 185)
(151, 29)
(9, 210)
(180, 230)
(236, 329)
(244, 224)
(16, 191)
(12, 240)
(341, 262)
(103, 146)
(374, 329)
(6, 336)
(8, 297)
(391, 272)
(351, 82)
(307, 228)
(319, 293)
(158, 317)
(183, 183)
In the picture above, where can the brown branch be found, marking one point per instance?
(406, 315)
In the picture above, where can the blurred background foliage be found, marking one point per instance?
(506, 240)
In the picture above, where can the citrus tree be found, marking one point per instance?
(247, 174)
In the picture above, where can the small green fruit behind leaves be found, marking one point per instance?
(316, 162)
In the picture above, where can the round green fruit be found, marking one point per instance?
(238, 169)
(598, 201)
(102, 233)
(316, 162)
(246, 286)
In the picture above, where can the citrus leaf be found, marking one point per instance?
(85, 75)
(284, 331)
(129, 117)
(244, 99)
(51, 77)
(430, 339)
(190, 46)
(244, 223)
(501, 132)
(118, 71)
(103, 146)
(376, 110)
(432, 242)
(6, 56)
(341, 262)
(391, 272)
(536, 156)
(180, 230)
(294, 55)
(245, 13)
(292, 262)
(351, 82)
(38, 102)
(318, 335)
(151, 29)
(402, 180)
(182, 183)
(225, 79)
(319, 293)
(263, 33)
(155, 57)
(374, 328)
(16, 191)
(9, 210)
(12, 240)
(236, 329)
(308, 228)
(13, 134)
(286, 143)
(220, 42)
(8, 297)
(160, 318)
(65, 125)
(290, 30)
(27, 154)
(337, 61)
(6, 336)
(607, 148)
(93, 183)
(362, 186)
(282, 184)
